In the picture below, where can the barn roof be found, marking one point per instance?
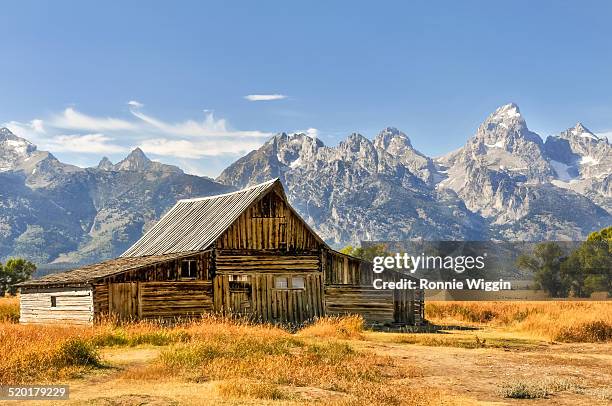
(91, 273)
(194, 224)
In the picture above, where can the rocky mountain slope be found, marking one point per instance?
(52, 212)
(507, 174)
(505, 183)
(359, 189)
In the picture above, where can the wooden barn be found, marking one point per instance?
(242, 253)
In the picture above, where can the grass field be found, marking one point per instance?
(504, 353)
(563, 321)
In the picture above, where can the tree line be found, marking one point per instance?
(579, 273)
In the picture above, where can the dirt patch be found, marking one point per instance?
(131, 356)
(481, 372)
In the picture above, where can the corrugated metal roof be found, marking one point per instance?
(91, 273)
(194, 224)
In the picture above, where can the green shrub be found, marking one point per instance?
(78, 352)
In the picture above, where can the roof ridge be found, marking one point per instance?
(197, 199)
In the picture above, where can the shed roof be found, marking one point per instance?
(90, 273)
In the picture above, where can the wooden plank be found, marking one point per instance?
(290, 306)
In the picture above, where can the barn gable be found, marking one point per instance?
(270, 224)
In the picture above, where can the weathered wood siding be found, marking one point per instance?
(268, 224)
(241, 263)
(245, 284)
(349, 289)
(100, 299)
(342, 269)
(154, 300)
(164, 271)
(122, 294)
(259, 299)
(376, 306)
(73, 305)
(123, 300)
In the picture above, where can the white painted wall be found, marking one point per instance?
(73, 306)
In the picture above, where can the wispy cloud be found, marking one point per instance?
(87, 143)
(30, 129)
(77, 132)
(264, 97)
(209, 126)
(197, 149)
(135, 104)
(73, 120)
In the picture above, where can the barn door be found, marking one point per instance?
(123, 300)
(240, 294)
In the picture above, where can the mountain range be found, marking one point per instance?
(505, 183)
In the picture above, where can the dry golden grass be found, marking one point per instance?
(259, 362)
(39, 353)
(270, 356)
(348, 327)
(564, 321)
(245, 388)
(9, 309)
(211, 349)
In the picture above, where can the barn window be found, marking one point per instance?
(280, 282)
(297, 282)
(188, 269)
(53, 301)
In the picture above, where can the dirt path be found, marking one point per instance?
(480, 373)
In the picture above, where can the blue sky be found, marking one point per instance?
(435, 70)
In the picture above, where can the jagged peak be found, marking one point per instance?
(507, 113)
(357, 137)
(138, 153)
(15, 144)
(284, 137)
(6, 134)
(356, 142)
(503, 128)
(505, 118)
(105, 164)
(136, 160)
(579, 130)
(390, 135)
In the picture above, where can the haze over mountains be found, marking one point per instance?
(505, 183)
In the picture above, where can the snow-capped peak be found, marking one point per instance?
(580, 130)
(14, 150)
(504, 119)
(14, 145)
(509, 110)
